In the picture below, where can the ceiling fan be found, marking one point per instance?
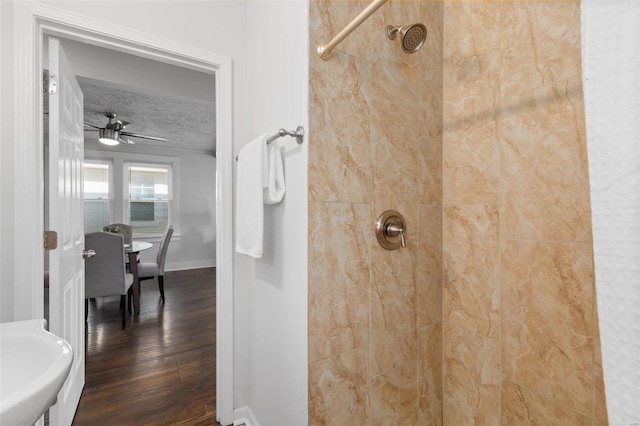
(113, 132)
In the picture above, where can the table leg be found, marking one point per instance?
(133, 268)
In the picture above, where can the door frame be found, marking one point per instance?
(32, 21)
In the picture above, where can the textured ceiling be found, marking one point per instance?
(186, 123)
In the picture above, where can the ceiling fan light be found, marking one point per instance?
(108, 136)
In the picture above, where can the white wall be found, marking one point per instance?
(7, 193)
(6, 170)
(197, 244)
(275, 287)
(146, 75)
(611, 73)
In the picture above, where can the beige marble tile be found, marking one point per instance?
(471, 61)
(430, 375)
(540, 44)
(339, 261)
(339, 150)
(547, 320)
(544, 182)
(328, 18)
(430, 170)
(471, 88)
(521, 406)
(431, 80)
(397, 84)
(471, 150)
(429, 265)
(430, 102)
(339, 389)
(471, 378)
(395, 156)
(365, 112)
(476, 27)
(471, 253)
(471, 164)
(600, 415)
(393, 299)
(394, 396)
(430, 105)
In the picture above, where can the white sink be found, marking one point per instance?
(33, 367)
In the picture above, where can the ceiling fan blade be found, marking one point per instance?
(124, 123)
(126, 141)
(137, 135)
(91, 125)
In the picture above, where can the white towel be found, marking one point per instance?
(274, 187)
(252, 173)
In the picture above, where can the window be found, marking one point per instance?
(97, 195)
(132, 188)
(148, 197)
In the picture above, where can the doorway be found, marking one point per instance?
(177, 104)
(34, 22)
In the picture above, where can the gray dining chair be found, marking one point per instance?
(150, 270)
(105, 273)
(124, 229)
(127, 232)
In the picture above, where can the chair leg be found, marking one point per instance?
(161, 286)
(86, 310)
(123, 310)
(129, 297)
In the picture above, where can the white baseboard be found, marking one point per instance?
(244, 416)
(195, 264)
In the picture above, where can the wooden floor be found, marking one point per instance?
(159, 370)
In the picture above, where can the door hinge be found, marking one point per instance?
(50, 240)
(50, 83)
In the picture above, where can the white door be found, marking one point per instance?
(66, 217)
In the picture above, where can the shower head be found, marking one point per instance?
(412, 36)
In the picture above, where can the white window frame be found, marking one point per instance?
(119, 185)
(111, 188)
(126, 190)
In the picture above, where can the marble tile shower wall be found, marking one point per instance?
(375, 315)
(519, 323)
(488, 316)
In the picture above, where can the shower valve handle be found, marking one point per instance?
(392, 230)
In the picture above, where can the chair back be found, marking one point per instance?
(162, 250)
(124, 229)
(105, 272)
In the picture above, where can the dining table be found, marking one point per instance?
(133, 250)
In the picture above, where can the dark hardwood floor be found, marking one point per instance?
(159, 370)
